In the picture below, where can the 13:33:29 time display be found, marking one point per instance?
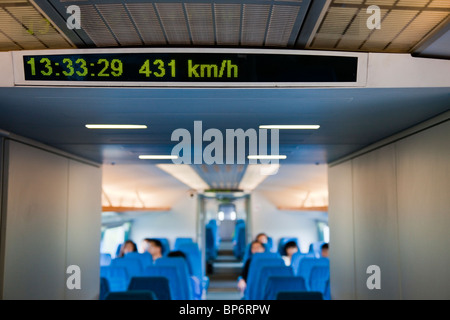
(80, 67)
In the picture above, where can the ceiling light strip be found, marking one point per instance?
(116, 126)
(291, 126)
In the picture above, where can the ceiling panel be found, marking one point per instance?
(22, 26)
(227, 23)
(200, 19)
(404, 24)
(147, 23)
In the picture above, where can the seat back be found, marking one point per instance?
(211, 247)
(299, 295)
(264, 274)
(183, 273)
(179, 241)
(296, 258)
(133, 265)
(132, 295)
(159, 285)
(276, 284)
(306, 264)
(258, 261)
(240, 242)
(327, 294)
(194, 259)
(145, 258)
(318, 278)
(105, 259)
(104, 288)
(171, 273)
(117, 277)
(315, 248)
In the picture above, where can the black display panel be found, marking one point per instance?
(190, 67)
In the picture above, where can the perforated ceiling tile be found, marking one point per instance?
(174, 22)
(281, 24)
(118, 20)
(412, 3)
(147, 23)
(393, 24)
(200, 19)
(95, 27)
(7, 44)
(417, 29)
(228, 23)
(333, 26)
(403, 24)
(24, 27)
(254, 24)
(14, 29)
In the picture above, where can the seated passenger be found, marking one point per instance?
(154, 247)
(127, 247)
(263, 238)
(290, 248)
(256, 247)
(324, 250)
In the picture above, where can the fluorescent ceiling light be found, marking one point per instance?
(266, 157)
(116, 126)
(157, 157)
(185, 174)
(255, 174)
(290, 126)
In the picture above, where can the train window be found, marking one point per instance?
(112, 237)
(324, 231)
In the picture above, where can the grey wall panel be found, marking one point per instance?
(375, 222)
(84, 227)
(423, 171)
(340, 218)
(36, 221)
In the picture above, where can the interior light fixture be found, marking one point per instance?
(256, 174)
(267, 157)
(116, 126)
(290, 126)
(157, 157)
(186, 174)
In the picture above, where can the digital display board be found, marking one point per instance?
(190, 67)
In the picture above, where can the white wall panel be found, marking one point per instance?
(340, 215)
(6, 66)
(52, 219)
(401, 210)
(36, 221)
(375, 214)
(83, 227)
(423, 171)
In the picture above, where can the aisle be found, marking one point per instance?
(226, 270)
